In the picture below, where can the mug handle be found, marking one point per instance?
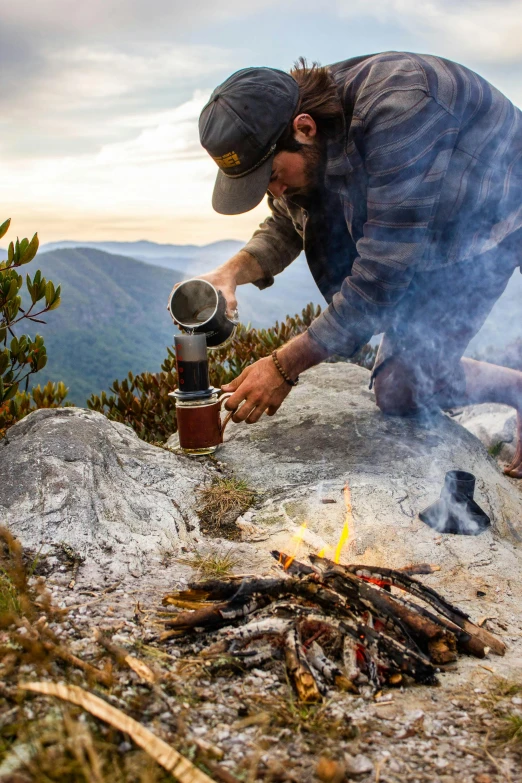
(229, 415)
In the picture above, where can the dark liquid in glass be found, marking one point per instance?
(193, 376)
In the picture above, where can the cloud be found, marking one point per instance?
(69, 68)
(35, 35)
(479, 29)
(84, 96)
(170, 135)
(157, 184)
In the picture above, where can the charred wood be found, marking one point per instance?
(439, 642)
(430, 596)
(290, 565)
(216, 614)
(299, 670)
(328, 669)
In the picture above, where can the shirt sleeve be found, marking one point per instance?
(405, 139)
(275, 244)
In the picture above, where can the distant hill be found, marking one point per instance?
(113, 317)
(192, 259)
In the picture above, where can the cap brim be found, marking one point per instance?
(234, 195)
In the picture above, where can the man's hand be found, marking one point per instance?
(226, 283)
(259, 388)
(238, 270)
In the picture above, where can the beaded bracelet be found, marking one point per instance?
(282, 372)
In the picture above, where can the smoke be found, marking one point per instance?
(456, 511)
(453, 515)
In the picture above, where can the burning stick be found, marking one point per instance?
(430, 596)
(292, 566)
(439, 642)
(287, 560)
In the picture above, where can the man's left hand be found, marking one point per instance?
(259, 388)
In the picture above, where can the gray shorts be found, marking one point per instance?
(438, 316)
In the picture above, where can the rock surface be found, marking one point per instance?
(71, 475)
(494, 425)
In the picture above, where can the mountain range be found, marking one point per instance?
(113, 316)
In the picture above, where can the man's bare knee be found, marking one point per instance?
(394, 393)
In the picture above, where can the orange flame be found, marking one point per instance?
(348, 520)
(298, 537)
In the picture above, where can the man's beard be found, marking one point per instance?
(314, 160)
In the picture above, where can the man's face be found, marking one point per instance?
(296, 173)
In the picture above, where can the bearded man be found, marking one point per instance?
(400, 175)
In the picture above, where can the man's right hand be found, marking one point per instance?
(226, 283)
(241, 268)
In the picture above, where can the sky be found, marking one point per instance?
(100, 99)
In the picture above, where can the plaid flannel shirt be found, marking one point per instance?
(426, 172)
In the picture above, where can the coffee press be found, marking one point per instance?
(198, 404)
(197, 308)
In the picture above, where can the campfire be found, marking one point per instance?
(337, 626)
(340, 626)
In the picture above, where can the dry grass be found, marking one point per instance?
(213, 565)
(68, 750)
(9, 599)
(220, 505)
(511, 730)
(502, 689)
(508, 726)
(311, 719)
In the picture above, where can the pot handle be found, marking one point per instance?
(229, 413)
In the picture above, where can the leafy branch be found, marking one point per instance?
(21, 356)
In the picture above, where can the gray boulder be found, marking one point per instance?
(71, 475)
(494, 425)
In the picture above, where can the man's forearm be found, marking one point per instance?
(242, 268)
(300, 354)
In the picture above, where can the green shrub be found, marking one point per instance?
(20, 355)
(51, 396)
(143, 402)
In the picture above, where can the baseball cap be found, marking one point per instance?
(239, 127)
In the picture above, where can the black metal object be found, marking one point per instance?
(455, 511)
